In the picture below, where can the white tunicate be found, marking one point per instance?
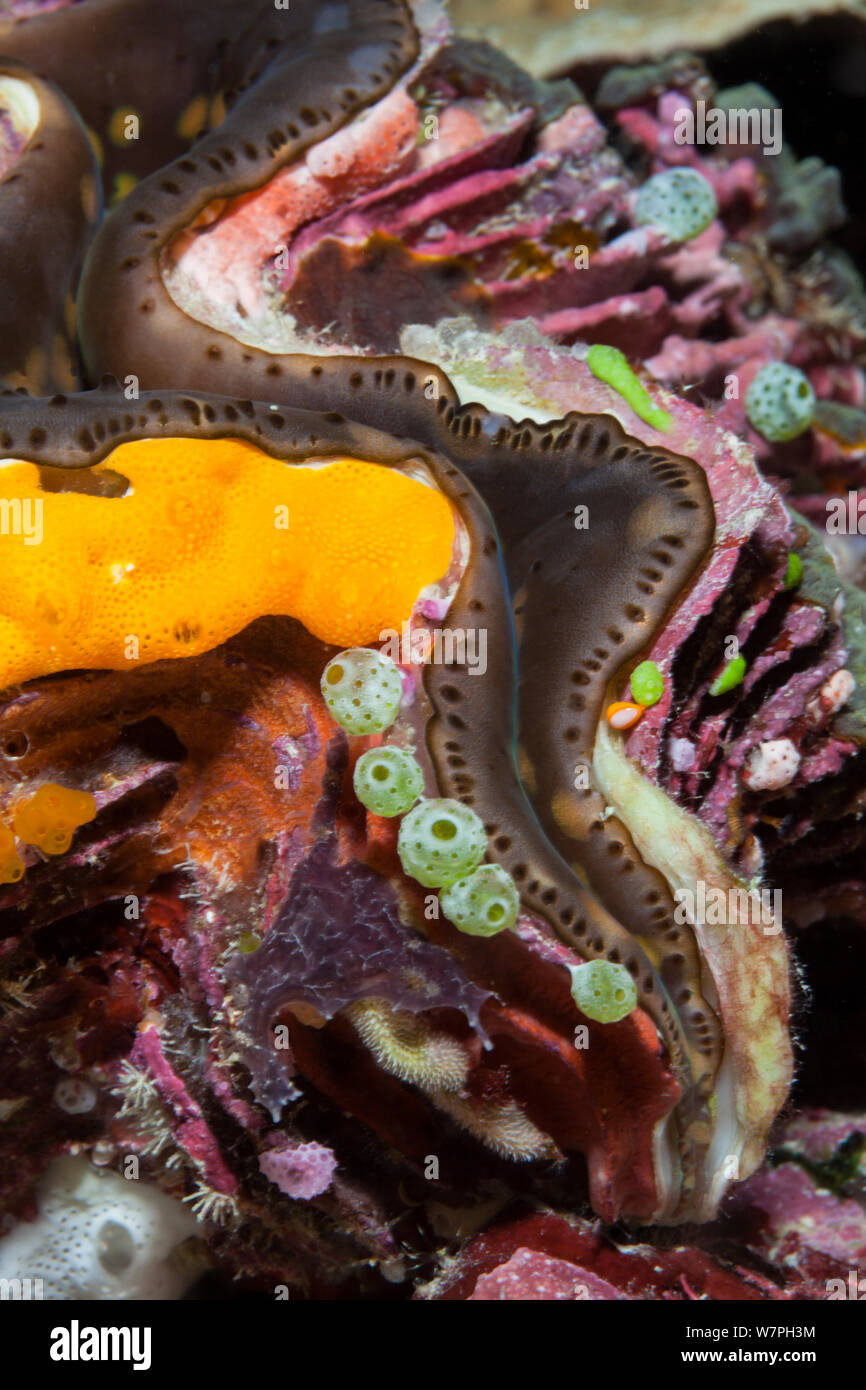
(99, 1236)
(837, 691)
(75, 1097)
(682, 753)
(772, 765)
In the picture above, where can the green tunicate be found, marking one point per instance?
(248, 942)
(730, 677)
(388, 781)
(603, 991)
(680, 202)
(482, 904)
(647, 684)
(440, 840)
(794, 572)
(363, 690)
(611, 365)
(780, 403)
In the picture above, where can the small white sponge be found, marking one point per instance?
(99, 1236)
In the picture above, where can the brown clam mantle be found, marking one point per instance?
(146, 76)
(49, 207)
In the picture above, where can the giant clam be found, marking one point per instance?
(236, 953)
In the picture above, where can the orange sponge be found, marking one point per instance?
(209, 535)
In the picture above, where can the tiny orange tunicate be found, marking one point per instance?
(50, 817)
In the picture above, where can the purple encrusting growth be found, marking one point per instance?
(288, 753)
(339, 938)
(310, 740)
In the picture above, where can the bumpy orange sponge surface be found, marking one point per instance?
(209, 535)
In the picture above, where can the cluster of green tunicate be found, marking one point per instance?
(483, 903)
(388, 781)
(440, 840)
(680, 202)
(647, 684)
(603, 991)
(780, 402)
(363, 690)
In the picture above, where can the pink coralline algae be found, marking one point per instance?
(300, 1170)
(803, 1213)
(797, 1228)
(534, 1276)
(187, 1123)
(515, 200)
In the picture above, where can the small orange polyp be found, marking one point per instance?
(624, 714)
